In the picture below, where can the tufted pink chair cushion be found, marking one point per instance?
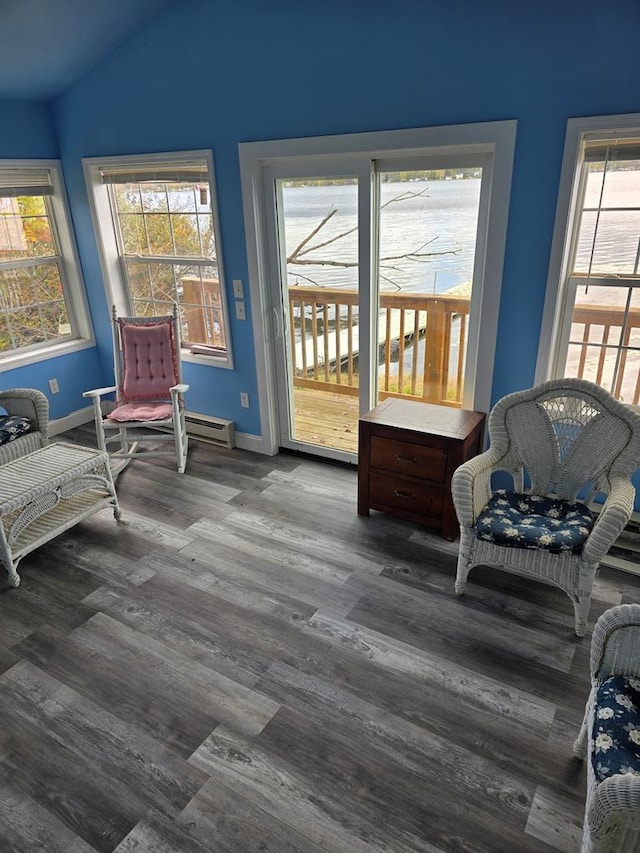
(141, 412)
(150, 364)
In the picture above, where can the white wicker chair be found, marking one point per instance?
(25, 403)
(612, 810)
(557, 438)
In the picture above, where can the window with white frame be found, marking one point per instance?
(42, 304)
(156, 219)
(597, 334)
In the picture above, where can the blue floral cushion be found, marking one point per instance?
(12, 428)
(521, 520)
(615, 741)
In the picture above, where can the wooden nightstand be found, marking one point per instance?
(407, 454)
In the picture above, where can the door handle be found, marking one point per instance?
(276, 324)
(408, 495)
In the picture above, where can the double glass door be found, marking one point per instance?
(372, 265)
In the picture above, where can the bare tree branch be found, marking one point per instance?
(296, 257)
(410, 256)
(326, 242)
(296, 251)
(313, 263)
(307, 278)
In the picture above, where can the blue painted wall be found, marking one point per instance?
(75, 373)
(211, 75)
(27, 130)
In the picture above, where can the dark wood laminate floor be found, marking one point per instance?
(246, 665)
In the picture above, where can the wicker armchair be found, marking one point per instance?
(25, 403)
(561, 439)
(612, 810)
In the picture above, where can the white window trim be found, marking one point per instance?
(73, 285)
(493, 138)
(114, 284)
(556, 304)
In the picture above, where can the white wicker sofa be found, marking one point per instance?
(610, 735)
(25, 403)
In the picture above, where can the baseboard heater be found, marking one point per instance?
(207, 428)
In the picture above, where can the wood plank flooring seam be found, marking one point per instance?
(252, 666)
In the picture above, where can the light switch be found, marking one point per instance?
(240, 312)
(238, 289)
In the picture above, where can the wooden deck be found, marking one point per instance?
(326, 419)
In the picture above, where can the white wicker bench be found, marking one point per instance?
(46, 492)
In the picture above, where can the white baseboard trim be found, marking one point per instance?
(244, 440)
(256, 443)
(71, 421)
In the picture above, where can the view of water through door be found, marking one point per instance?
(319, 263)
(428, 222)
(424, 225)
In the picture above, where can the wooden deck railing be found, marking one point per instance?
(202, 317)
(325, 343)
(422, 341)
(601, 329)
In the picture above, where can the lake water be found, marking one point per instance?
(616, 246)
(445, 218)
(441, 216)
(442, 220)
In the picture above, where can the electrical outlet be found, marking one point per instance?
(240, 312)
(244, 399)
(238, 289)
(53, 386)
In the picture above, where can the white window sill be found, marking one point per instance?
(209, 360)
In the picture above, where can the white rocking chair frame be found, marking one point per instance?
(130, 435)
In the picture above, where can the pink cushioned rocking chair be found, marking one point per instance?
(149, 391)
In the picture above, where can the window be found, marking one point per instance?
(160, 245)
(41, 297)
(597, 334)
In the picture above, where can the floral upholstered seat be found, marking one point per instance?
(12, 428)
(610, 735)
(24, 413)
(615, 741)
(521, 520)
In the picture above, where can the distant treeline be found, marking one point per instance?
(393, 177)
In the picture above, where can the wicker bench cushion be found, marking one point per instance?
(12, 428)
(521, 520)
(615, 742)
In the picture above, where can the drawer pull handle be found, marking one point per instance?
(406, 458)
(408, 495)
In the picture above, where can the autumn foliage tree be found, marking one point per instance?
(31, 296)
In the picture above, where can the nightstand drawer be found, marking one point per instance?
(408, 495)
(405, 457)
